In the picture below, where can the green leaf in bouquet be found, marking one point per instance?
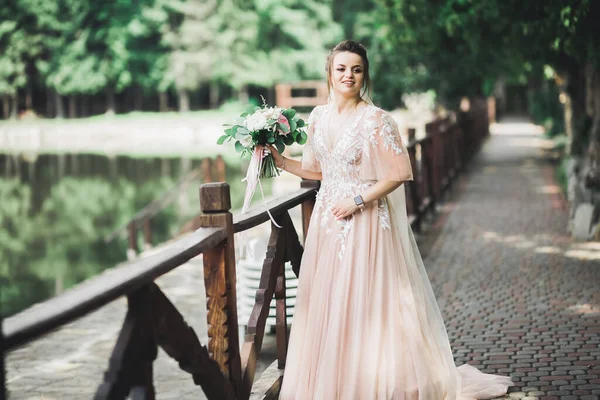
(240, 136)
(289, 140)
(280, 147)
(300, 123)
(239, 147)
(270, 140)
(222, 139)
(239, 121)
(242, 130)
(250, 109)
(292, 125)
(283, 128)
(301, 139)
(289, 114)
(231, 131)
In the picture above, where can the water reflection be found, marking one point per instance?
(56, 211)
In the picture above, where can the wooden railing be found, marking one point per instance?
(221, 369)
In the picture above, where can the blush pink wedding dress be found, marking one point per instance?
(366, 323)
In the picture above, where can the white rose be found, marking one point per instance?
(273, 113)
(256, 121)
(246, 141)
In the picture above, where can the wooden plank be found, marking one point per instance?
(181, 343)
(256, 324)
(258, 214)
(130, 365)
(106, 287)
(268, 386)
(281, 318)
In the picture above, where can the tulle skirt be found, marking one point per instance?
(366, 323)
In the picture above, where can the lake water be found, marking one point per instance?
(57, 210)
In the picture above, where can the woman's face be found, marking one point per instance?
(347, 74)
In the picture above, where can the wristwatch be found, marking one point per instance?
(358, 200)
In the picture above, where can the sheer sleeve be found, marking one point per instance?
(309, 161)
(384, 153)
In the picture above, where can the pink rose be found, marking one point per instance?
(283, 121)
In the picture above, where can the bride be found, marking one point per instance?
(366, 323)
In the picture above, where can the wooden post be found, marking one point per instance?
(221, 169)
(429, 159)
(308, 206)
(206, 170)
(147, 227)
(417, 179)
(283, 93)
(220, 282)
(130, 365)
(281, 316)
(132, 248)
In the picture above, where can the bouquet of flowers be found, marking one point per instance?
(256, 128)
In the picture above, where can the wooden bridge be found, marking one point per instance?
(225, 366)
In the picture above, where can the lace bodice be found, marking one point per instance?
(366, 150)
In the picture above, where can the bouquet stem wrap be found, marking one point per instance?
(258, 162)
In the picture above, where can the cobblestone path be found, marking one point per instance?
(518, 296)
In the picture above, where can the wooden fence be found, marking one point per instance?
(224, 369)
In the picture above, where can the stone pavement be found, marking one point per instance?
(518, 296)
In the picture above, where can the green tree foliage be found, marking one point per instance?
(20, 45)
(457, 47)
(105, 47)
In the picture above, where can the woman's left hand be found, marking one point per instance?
(344, 208)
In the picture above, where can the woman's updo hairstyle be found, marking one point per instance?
(352, 47)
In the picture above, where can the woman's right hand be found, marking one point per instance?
(276, 156)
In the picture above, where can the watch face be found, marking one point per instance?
(358, 200)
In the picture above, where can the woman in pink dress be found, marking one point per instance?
(366, 324)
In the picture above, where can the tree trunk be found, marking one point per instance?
(14, 112)
(110, 100)
(214, 95)
(49, 110)
(60, 111)
(72, 106)
(5, 107)
(163, 102)
(138, 98)
(243, 96)
(572, 92)
(28, 96)
(592, 178)
(184, 100)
